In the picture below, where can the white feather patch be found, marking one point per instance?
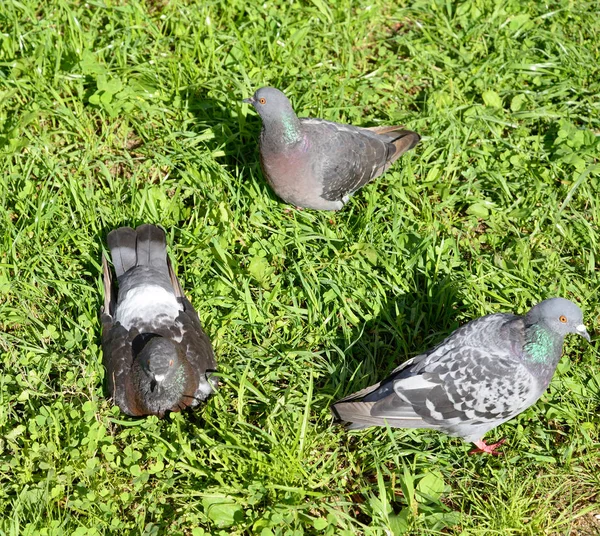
(412, 383)
(147, 302)
(204, 390)
(434, 413)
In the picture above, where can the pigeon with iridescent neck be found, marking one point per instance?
(156, 355)
(485, 373)
(319, 164)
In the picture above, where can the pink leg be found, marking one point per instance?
(490, 449)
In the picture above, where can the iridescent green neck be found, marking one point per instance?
(291, 128)
(540, 345)
(179, 379)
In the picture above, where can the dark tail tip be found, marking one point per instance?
(337, 419)
(150, 232)
(121, 243)
(406, 140)
(151, 246)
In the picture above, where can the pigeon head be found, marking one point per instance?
(270, 103)
(560, 316)
(160, 363)
(279, 119)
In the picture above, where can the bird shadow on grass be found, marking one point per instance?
(234, 132)
(231, 133)
(408, 325)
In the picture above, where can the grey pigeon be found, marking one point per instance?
(319, 164)
(485, 373)
(157, 356)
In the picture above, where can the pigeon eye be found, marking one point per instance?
(171, 362)
(563, 319)
(262, 100)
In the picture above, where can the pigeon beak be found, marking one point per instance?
(159, 377)
(583, 332)
(152, 386)
(249, 100)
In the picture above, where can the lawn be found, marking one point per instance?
(124, 112)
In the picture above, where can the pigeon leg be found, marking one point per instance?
(490, 449)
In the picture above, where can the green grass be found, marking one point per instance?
(119, 113)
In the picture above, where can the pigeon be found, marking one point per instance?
(485, 373)
(156, 355)
(318, 164)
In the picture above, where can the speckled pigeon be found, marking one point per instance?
(319, 164)
(157, 356)
(485, 373)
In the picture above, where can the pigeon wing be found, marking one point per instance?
(199, 351)
(117, 354)
(350, 156)
(175, 281)
(468, 386)
(109, 288)
(117, 358)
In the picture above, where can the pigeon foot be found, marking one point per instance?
(489, 449)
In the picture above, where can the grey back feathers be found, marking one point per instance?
(319, 164)
(156, 355)
(482, 375)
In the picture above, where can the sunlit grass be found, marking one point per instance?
(130, 112)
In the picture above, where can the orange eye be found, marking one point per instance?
(262, 100)
(171, 362)
(563, 319)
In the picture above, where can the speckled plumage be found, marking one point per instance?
(485, 373)
(156, 355)
(319, 164)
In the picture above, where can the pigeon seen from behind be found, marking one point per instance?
(485, 373)
(156, 355)
(319, 164)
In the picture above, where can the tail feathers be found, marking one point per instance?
(151, 246)
(144, 246)
(357, 415)
(387, 129)
(359, 395)
(352, 412)
(405, 140)
(356, 426)
(122, 245)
